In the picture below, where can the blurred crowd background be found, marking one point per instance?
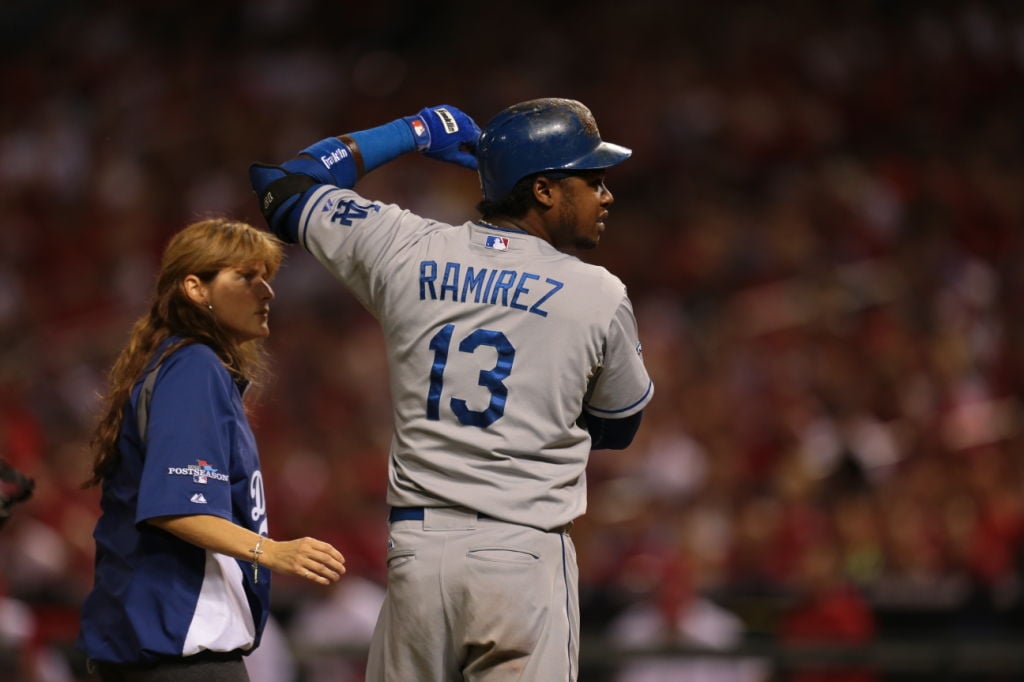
(822, 232)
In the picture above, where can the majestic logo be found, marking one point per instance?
(198, 498)
(201, 472)
(496, 243)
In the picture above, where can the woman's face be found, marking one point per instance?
(239, 299)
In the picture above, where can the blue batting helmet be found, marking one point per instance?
(541, 135)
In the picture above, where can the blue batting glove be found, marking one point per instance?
(444, 133)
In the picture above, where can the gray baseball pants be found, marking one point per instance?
(476, 600)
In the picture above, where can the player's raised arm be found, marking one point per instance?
(440, 132)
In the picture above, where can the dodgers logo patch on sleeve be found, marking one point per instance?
(497, 243)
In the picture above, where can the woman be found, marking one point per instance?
(183, 559)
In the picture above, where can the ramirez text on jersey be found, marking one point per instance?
(508, 288)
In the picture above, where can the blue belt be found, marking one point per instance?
(414, 514)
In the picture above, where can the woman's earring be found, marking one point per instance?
(210, 306)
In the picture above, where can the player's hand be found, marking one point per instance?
(443, 132)
(308, 558)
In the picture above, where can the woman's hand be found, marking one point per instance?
(308, 558)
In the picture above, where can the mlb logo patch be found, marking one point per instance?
(204, 471)
(418, 129)
(497, 243)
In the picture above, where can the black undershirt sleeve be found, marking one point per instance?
(612, 434)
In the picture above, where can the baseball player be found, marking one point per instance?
(509, 361)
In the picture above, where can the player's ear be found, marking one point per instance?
(543, 191)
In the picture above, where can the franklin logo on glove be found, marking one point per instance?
(450, 126)
(334, 157)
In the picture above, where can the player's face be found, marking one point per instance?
(241, 301)
(582, 210)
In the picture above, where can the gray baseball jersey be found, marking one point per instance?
(496, 341)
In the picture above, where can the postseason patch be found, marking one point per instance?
(201, 472)
(495, 242)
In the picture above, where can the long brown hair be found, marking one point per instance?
(203, 248)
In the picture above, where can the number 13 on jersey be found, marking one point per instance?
(492, 379)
